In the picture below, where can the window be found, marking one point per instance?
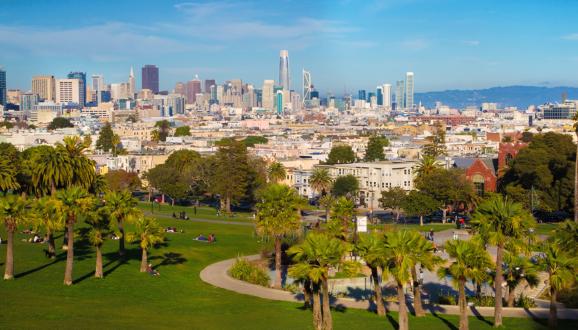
(479, 184)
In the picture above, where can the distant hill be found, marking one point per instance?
(518, 96)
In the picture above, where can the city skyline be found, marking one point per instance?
(343, 52)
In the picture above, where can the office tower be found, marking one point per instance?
(193, 88)
(69, 91)
(379, 95)
(98, 83)
(314, 94)
(279, 102)
(81, 76)
(150, 78)
(220, 93)
(45, 87)
(409, 90)
(307, 86)
(180, 89)
(284, 70)
(268, 94)
(208, 84)
(28, 101)
(361, 94)
(13, 96)
(399, 95)
(176, 104)
(3, 97)
(386, 95)
(120, 91)
(131, 84)
(213, 93)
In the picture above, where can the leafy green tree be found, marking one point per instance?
(327, 203)
(393, 198)
(278, 217)
(346, 185)
(105, 138)
(122, 208)
(59, 122)
(8, 175)
(371, 249)
(502, 222)
(470, 261)
(183, 131)
(374, 150)
(83, 168)
(342, 212)
(517, 270)
(29, 160)
(251, 140)
(99, 222)
(230, 175)
(276, 172)
(155, 135)
(320, 180)
(341, 154)
(13, 212)
(419, 204)
(49, 214)
(147, 233)
(567, 236)
(118, 180)
(426, 166)
(437, 142)
(168, 181)
(52, 171)
(163, 129)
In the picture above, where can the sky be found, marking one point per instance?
(346, 44)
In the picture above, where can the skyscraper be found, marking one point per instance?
(268, 94)
(193, 88)
(284, 70)
(81, 76)
(386, 96)
(28, 101)
(399, 94)
(208, 84)
(3, 99)
(361, 94)
(279, 102)
(45, 87)
(150, 78)
(97, 82)
(379, 95)
(307, 86)
(69, 91)
(409, 90)
(131, 84)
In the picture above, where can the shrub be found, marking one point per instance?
(524, 302)
(483, 301)
(245, 271)
(447, 299)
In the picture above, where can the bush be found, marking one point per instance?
(245, 271)
(483, 301)
(524, 302)
(447, 299)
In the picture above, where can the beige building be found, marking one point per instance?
(68, 91)
(45, 87)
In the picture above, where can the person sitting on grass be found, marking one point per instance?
(151, 271)
(201, 237)
(212, 238)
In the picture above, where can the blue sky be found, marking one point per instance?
(347, 45)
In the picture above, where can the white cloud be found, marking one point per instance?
(473, 43)
(572, 36)
(415, 44)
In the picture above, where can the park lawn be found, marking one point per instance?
(178, 298)
(203, 212)
(425, 228)
(546, 228)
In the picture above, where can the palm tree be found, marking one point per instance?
(342, 214)
(314, 257)
(122, 207)
(517, 270)
(83, 168)
(13, 211)
(53, 170)
(422, 254)
(148, 233)
(502, 221)
(75, 203)
(278, 217)
(50, 215)
(371, 249)
(99, 221)
(470, 261)
(306, 271)
(320, 180)
(8, 175)
(567, 236)
(561, 268)
(276, 172)
(427, 165)
(576, 172)
(155, 135)
(327, 203)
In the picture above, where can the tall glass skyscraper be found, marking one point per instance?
(409, 90)
(82, 89)
(284, 70)
(379, 94)
(150, 78)
(361, 94)
(3, 99)
(399, 95)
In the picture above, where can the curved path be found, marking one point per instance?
(217, 275)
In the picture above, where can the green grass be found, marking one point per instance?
(425, 228)
(203, 212)
(128, 299)
(545, 228)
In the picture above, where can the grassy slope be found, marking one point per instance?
(129, 299)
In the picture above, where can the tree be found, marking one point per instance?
(393, 198)
(83, 169)
(147, 233)
(276, 172)
(374, 150)
(169, 181)
(155, 135)
(163, 129)
(371, 249)
(426, 166)
(417, 203)
(49, 214)
(76, 202)
(118, 180)
(183, 131)
(326, 202)
(59, 122)
(567, 236)
(320, 180)
(29, 160)
(437, 142)
(53, 170)
(105, 138)
(470, 261)
(13, 212)
(562, 269)
(121, 207)
(342, 154)
(518, 269)
(8, 175)
(346, 185)
(342, 213)
(230, 174)
(277, 217)
(99, 222)
(576, 172)
(502, 221)
(251, 140)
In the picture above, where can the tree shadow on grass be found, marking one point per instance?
(446, 322)
(59, 257)
(392, 320)
(479, 316)
(169, 258)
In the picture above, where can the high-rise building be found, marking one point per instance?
(193, 88)
(150, 78)
(307, 85)
(386, 96)
(409, 90)
(213, 93)
(98, 83)
(181, 89)
(268, 94)
(81, 76)
(399, 95)
(284, 70)
(45, 87)
(69, 91)
(361, 94)
(379, 95)
(3, 97)
(279, 102)
(28, 101)
(131, 84)
(208, 84)
(176, 104)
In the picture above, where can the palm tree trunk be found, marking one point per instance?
(327, 319)
(421, 220)
(498, 286)
(307, 294)
(463, 305)
(98, 270)
(553, 319)
(144, 261)
(317, 316)
(121, 238)
(278, 262)
(444, 214)
(511, 296)
(576, 186)
(326, 214)
(9, 268)
(377, 292)
(228, 204)
(69, 253)
(397, 215)
(402, 316)
(51, 244)
(416, 294)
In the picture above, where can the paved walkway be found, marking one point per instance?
(216, 274)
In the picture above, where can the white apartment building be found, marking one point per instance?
(68, 90)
